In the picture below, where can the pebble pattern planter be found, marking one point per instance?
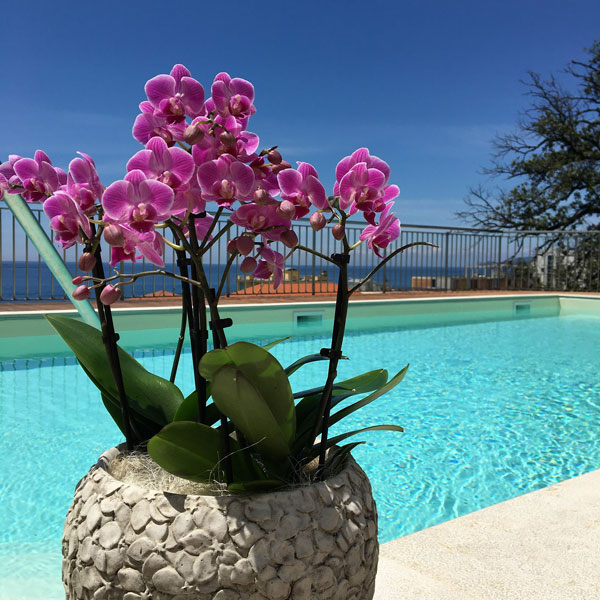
(124, 542)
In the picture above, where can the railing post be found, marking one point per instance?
(446, 250)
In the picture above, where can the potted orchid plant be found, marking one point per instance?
(286, 512)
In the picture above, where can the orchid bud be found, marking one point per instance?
(338, 231)
(261, 196)
(227, 139)
(274, 157)
(231, 246)
(244, 244)
(81, 293)
(110, 294)
(317, 221)
(284, 164)
(86, 262)
(248, 265)
(289, 238)
(113, 234)
(77, 280)
(286, 209)
(193, 134)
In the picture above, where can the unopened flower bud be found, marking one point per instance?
(338, 231)
(81, 293)
(227, 139)
(317, 221)
(193, 134)
(244, 244)
(110, 294)
(261, 196)
(231, 246)
(289, 238)
(77, 280)
(86, 262)
(248, 265)
(274, 157)
(113, 234)
(284, 164)
(286, 209)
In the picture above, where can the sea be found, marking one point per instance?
(21, 280)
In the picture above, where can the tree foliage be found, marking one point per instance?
(553, 158)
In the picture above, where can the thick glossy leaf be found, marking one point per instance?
(142, 429)
(150, 396)
(188, 410)
(337, 457)
(304, 361)
(340, 438)
(250, 410)
(275, 342)
(193, 451)
(307, 409)
(266, 376)
(344, 412)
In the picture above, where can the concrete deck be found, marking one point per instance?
(544, 545)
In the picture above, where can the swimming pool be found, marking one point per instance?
(491, 410)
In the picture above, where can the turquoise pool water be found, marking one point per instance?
(490, 410)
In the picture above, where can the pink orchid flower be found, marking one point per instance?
(136, 244)
(172, 166)
(271, 263)
(66, 218)
(380, 235)
(137, 201)
(176, 95)
(148, 125)
(233, 97)
(226, 180)
(83, 183)
(303, 188)
(261, 219)
(38, 177)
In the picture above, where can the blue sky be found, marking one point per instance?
(424, 85)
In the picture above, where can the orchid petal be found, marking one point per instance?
(160, 88)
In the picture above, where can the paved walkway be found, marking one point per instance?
(541, 546)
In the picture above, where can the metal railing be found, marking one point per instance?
(465, 259)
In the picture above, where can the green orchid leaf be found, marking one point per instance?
(307, 410)
(149, 396)
(188, 410)
(304, 361)
(316, 449)
(250, 409)
(265, 380)
(336, 459)
(193, 451)
(366, 382)
(344, 412)
(142, 429)
(274, 343)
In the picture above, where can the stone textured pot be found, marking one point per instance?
(306, 543)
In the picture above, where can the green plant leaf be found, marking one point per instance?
(251, 411)
(275, 342)
(307, 410)
(188, 409)
(344, 412)
(336, 458)
(142, 429)
(304, 361)
(193, 451)
(316, 449)
(269, 387)
(149, 396)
